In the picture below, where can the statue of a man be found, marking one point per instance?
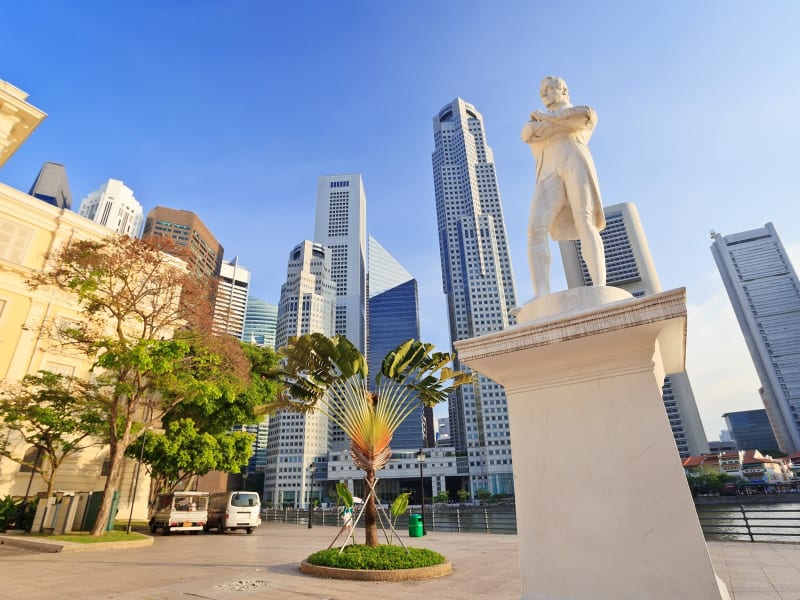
(566, 202)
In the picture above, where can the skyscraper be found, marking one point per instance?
(230, 304)
(52, 186)
(341, 225)
(186, 229)
(478, 283)
(630, 266)
(307, 305)
(751, 430)
(114, 206)
(393, 319)
(260, 322)
(765, 294)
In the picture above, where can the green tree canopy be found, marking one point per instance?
(56, 414)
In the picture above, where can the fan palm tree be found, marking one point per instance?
(331, 375)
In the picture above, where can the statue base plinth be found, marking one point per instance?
(603, 509)
(569, 302)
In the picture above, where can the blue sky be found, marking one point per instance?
(233, 109)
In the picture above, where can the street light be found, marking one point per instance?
(421, 461)
(311, 468)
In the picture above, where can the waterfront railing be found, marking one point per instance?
(744, 523)
(756, 524)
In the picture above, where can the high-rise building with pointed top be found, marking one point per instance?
(393, 319)
(478, 283)
(765, 294)
(52, 186)
(630, 266)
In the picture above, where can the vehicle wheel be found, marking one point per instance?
(153, 526)
(193, 532)
(220, 528)
(165, 530)
(249, 530)
(205, 528)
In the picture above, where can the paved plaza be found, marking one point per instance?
(265, 565)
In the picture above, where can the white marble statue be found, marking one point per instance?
(566, 201)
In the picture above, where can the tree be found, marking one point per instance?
(442, 497)
(330, 375)
(483, 494)
(708, 481)
(463, 496)
(56, 414)
(182, 452)
(145, 324)
(197, 436)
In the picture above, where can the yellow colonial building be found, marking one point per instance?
(29, 230)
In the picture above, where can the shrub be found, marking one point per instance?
(382, 558)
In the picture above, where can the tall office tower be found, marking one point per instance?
(260, 322)
(478, 282)
(52, 186)
(751, 430)
(307, 305)
(230, 304)
(393, 319)
(114, 206)
(765, 293)
(630, 266)
(341, 225)
(186, 229)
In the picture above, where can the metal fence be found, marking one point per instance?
(750, 523)
(488, 519)
(758, 523)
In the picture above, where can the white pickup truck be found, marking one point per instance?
(180, 511)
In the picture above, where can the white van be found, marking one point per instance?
(234, 510)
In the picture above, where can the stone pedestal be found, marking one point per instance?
(603, 509)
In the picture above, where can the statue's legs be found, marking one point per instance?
(539, 260)
(548, 198)
(579, 191)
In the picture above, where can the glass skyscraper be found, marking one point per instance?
(765, 294)
(751, 430)
(393, 319)
(260, 322)
(479, 286)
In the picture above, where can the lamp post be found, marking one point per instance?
(421, 461)
(311, 468)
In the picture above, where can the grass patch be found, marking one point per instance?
(382, 558)
(82, 537)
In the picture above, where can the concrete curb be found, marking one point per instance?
(48, 546)
(377, 575)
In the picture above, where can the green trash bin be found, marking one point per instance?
(415, 525)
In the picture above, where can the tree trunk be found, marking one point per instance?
(371, 512)
(115, 469)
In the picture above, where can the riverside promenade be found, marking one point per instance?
(265, 566)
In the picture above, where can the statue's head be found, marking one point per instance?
(553, 91)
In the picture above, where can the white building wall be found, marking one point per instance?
(307, 305)
(113, 206)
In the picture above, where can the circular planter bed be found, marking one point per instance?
(415, 574)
